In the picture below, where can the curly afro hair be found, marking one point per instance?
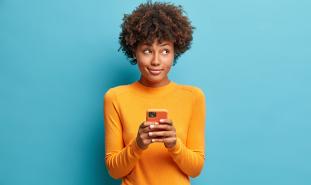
(151, 21)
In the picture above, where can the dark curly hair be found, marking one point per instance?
(151, 21)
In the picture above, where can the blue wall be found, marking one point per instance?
(251, 57)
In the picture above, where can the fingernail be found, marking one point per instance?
(152, 140)
(150, 133)
(151, 126)
(161, 120)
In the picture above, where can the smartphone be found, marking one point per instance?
(154, 115)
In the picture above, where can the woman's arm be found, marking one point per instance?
(119, 159)
(190, 156)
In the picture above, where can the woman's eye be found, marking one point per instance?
(147, 51)
(164, 52)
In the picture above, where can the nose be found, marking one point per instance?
(155, 60)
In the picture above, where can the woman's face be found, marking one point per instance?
(154, 62)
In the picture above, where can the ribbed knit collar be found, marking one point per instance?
(152, 91)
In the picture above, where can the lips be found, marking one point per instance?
(154, 71)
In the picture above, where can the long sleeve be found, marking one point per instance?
(190, 156)
(119, 159)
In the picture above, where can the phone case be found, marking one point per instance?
(154, 115)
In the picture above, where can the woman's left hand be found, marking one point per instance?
(163, 132)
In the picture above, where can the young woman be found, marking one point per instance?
(142, 152)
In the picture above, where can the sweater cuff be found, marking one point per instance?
(177, 148)
(135, 148)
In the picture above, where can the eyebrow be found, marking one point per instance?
(164, 44)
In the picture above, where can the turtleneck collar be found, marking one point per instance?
(146, 90)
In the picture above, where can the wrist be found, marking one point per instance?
(176, 148)
(171, 145)
(139, 145)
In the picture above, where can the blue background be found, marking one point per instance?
(252, 58)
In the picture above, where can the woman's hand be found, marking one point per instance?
(164, 132)
(150, 132)
(143, 140)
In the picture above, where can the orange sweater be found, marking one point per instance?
(125, 109)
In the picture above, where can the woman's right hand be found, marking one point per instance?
(143, 140)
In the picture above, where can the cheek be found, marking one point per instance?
(141, 66)
(168, 68)
(142, 60)
(168, 62)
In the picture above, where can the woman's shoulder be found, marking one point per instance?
(118, 90)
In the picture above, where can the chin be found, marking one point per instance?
(155, 79)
